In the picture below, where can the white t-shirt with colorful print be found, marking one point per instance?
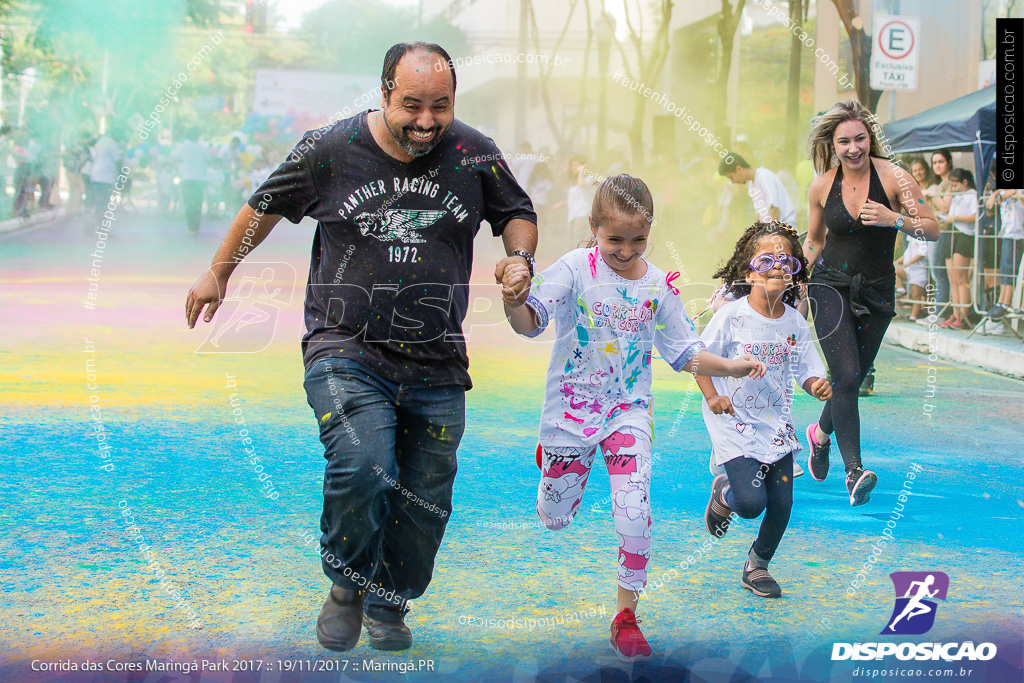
(599, 377)
(763, 427)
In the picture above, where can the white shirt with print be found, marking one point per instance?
(965, 204)
(766, 191)
(599, 377)
(763, 427)
(1011, 219)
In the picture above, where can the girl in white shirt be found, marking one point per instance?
(963, 213)
(750, 422)
(609, 307)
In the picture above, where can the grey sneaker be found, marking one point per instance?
(759, 582)
(998, 311)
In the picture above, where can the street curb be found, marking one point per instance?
(978, 353)
(13, 224)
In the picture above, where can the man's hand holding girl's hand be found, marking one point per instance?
(515, 284)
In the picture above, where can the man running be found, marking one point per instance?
(386, 369)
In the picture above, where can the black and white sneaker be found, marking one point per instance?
(817, 461)
(998, 311)
(759, 582)
(718, 513)
(860, 483)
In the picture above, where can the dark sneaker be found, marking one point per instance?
(868, 385)
(860, 483)
(627, 641)
(718, 514)
(341, 619)
(387, 635)
(998, 311)
(759, 582)
(817, 461)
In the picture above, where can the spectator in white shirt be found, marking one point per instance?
(106, 166)
(771, 200)
(192, 157)
(579, 198)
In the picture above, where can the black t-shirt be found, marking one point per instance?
(389, 273)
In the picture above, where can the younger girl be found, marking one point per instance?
(912, 268)
(963, 212)
(750, 422)
(609, 306)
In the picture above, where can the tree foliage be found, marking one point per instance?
(352, 35)
(860, 51)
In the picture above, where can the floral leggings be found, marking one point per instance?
(627, 454)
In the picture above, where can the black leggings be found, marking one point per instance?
(192, 198)
(755, 488)
(850, 345)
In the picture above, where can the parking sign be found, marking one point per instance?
(894, 52)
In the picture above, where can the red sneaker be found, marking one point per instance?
(627, 641)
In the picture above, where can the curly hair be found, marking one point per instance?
(734, 271)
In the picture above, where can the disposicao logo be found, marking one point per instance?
(914, 614)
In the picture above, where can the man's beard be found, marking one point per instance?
(411, 146)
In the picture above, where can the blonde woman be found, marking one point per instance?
(850, 242)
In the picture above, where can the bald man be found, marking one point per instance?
(386, 369)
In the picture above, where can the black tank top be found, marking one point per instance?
(850, 246)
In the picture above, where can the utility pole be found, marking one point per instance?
(1, 72)
(106, 107)
(895, 4)
(605, 32)
(521, 87)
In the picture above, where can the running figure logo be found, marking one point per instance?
(913, 613)
(251, 312)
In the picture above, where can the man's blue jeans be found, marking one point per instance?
(390, 451)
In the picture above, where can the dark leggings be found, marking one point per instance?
(192, 198)
(850, 345)
(755, 488)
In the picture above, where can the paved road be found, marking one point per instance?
(77, 585)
